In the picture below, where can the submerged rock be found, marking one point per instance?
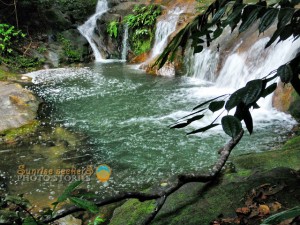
(69, 220)
(18, 106)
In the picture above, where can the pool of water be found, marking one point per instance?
(126, 115)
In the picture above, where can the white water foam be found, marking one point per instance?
(238, 69)
(164, 28)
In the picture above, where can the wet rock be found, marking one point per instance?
(18, 106)
(286, 99)
(69, 220)
(167, 70)
(57, 19)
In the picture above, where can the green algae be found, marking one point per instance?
(132, 212)
(11, 135)
(286, 156)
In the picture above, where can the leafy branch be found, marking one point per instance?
(208, 26)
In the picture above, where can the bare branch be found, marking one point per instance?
(162, 193)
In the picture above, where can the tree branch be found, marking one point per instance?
(162, 193)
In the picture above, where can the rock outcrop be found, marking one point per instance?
(18, 106)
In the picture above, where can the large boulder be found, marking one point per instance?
(18, 106)
(286, 99)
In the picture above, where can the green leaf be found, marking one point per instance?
(203, 129)
(295, 65)
(235, 13)
(192, 114)
(253, 90)
(274, 37)
(285, 73)
(67, 192)
(279, 217)
(85, 204)
(235, 99)
(286, 32)
(270, 89)
(250, 20)
(29, 221)
(217, 33)
(248, 94)
(248, 120)
(285, 15)
(242, 113)
(219, 14)
(198, 48)
(99, 220)
(267, 20)
(184, 124)
(231, 125)
(208, 101)
(215, 106)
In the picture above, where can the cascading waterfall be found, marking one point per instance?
(256, 63)
(88, 28)
(240, 66)
(124, 43)
(164, 28)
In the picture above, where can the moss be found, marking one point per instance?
(294, 108)
(12, 134)
(62, 134)
(286, 156)
(4, 75)
(239, 174)
(132, 212)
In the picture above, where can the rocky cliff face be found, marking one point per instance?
(111, 47)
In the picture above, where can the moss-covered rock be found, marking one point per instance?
(6, 75)
(286, 156)
(132, 212)
(287, 100)
(18, 106)
(196, 203)
(11, 135)
(294, 108)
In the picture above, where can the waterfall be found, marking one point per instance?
(256, 62)
(124, 42)
(88, 28)
(242, 65)
(232, 69)
(164, 28)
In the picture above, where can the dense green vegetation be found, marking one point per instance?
(70, 54)
(12, 51)
(142, 27)
(9, 37)
(112, 29)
